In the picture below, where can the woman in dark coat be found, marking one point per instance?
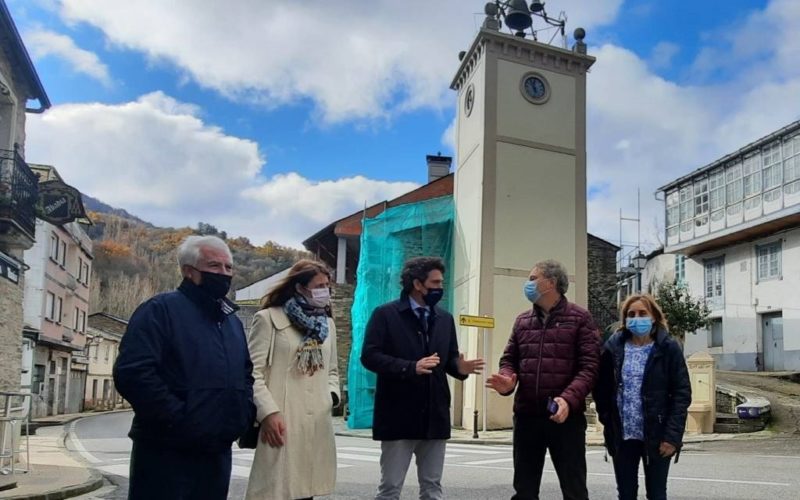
(642, 396)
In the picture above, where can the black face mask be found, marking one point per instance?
(215, 285)
(433, 296)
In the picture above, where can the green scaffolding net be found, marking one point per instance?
(387, 241)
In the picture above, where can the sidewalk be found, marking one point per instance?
(54, 474)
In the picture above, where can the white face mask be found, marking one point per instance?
(320, 297)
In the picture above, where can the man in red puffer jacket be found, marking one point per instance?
(552, 359)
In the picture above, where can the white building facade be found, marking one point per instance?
(736, 222)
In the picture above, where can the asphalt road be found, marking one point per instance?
(721, 470)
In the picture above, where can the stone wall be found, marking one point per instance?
(602, 260)
(11, 332)
(341, 304)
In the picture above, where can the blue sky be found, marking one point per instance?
(270, 119)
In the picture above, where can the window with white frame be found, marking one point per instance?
(83, 321)
(791, 164)
(701, 197)
(62, 256)
(751, 174)
(54, 246)
(687, 207)
(733, 178)
(772, 167)
(673, 209)
(715, 281)
(715, 333)
(85, 273)
(716, 189)
(49, 306)
(769, 261)
(58, 309)
(76, 320)
(680, 269)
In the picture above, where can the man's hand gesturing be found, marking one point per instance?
(502, 383)
(425, 365)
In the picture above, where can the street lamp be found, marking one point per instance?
(639, 261)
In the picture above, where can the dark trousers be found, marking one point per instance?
(533, 437)
(158, 473)
(626, 470)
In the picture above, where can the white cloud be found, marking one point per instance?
(353, 60)
(449, 136)
(663, 53)
(43, 43)
(157, 158)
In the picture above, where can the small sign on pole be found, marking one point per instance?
(476, 321)
(484, 323)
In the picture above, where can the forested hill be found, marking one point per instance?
(134, 259)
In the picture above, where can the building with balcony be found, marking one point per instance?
(735, 228)
(56, 308)
(103, 337)
(19, 84)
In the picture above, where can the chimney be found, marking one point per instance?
(438, 166)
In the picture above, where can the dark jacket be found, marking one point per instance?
(407, 405)
(184, 367)
(555, 358)
(666, 392)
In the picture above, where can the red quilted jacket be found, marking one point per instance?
(558, 358)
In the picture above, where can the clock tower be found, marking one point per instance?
(520, 188)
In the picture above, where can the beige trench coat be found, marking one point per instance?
(306, 465)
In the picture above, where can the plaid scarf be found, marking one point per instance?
(313, 322)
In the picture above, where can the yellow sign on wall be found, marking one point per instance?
(477, 321)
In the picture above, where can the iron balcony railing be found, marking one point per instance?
(19, 190)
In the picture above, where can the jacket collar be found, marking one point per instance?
(557, 307)
(279, 317)
(217, 309)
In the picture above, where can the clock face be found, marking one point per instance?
(534, 88)
(469, 99)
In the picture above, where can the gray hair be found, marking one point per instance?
(554, 270)
(189, 251)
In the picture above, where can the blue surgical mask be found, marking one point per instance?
(639, 326)
(531, 291)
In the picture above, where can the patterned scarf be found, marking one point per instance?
(313, 322)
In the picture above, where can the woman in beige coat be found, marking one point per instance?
(293, 347)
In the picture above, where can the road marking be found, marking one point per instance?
(491, 461)
(73, 436)
(363, 458)
(359, 448)
(116, 469)
(239, 471)
(480, 447)
(671, 478)
(463, 449)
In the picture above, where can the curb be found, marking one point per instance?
(94, 482)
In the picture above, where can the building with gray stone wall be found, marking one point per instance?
(19, 84)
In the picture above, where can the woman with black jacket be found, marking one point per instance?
(642, 396)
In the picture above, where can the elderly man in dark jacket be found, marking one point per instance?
(185, 368)
(411, 344)
(552, 359)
